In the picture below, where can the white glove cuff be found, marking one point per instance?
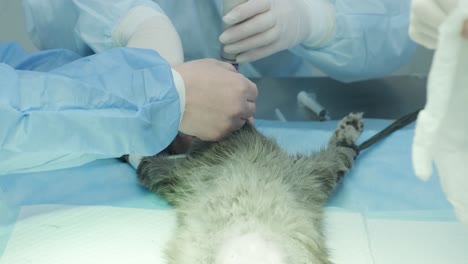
(322, 19)
(180, 86)
(134, 160)
(130, 23)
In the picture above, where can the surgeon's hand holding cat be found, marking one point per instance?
(218, 99)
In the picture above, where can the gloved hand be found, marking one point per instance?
(159, 34)
(426, 18)
(218, 100)
(259, 28)
(441, 131)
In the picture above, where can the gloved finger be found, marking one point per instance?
(447, 5)
(253, 42)
(425, 40)
(246, 11)
(430, 11)
(465, 29)
(255, 54)
(425, 25)
(422, 163)
(423, 33)
(255, 25)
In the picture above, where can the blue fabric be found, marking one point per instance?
(19, 59)
(60, 111)
(372, 36)
(381, 181)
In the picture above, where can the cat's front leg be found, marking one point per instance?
(166, 175)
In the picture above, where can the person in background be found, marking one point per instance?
(346, 39)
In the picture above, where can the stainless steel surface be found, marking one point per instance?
(388, 98)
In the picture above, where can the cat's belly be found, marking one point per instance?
(250, 248)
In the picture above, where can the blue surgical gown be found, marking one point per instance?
(58, 110)
(371, 41)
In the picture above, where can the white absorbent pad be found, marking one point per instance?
(441, 134)
(97, 234)
(70, 234)
(417, 242)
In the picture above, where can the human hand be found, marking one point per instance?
(426, 18)
(259, 28)
(159, 34)
(218, 100)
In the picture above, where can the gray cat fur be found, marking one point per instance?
(247, 184)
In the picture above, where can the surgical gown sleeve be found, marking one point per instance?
(371, 40)
(85, 26)
(117, 102)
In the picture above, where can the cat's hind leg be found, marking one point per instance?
(348, 131)
(320, 173)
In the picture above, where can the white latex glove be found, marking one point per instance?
(259, 28)
(146, 28)
(218, 99)
(441, 134)
(426, 18)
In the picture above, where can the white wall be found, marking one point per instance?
(12, 28)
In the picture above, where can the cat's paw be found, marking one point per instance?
(348, 130)
(156, 172)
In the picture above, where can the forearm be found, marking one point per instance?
(83, 26)
(155, 32)
(131, 108)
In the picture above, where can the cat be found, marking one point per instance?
(243, 200)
